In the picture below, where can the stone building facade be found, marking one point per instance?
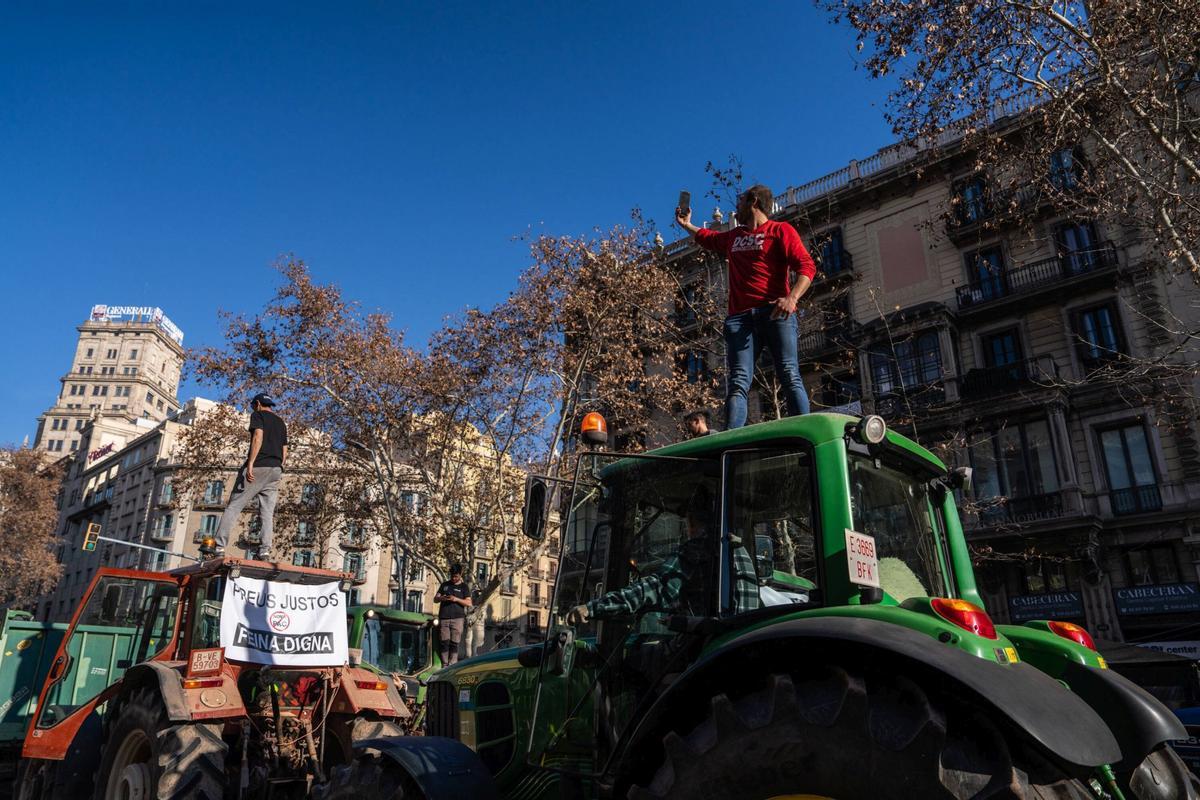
(126, 366)
(1025, 351)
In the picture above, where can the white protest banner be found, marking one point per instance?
(290, 624)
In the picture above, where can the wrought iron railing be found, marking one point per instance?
(1036, 276)
(1136, 499)
(1039, 371)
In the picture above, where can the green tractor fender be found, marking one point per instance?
(441, 767)
(1137, 718)
(1020, 696)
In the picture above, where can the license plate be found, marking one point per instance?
(861, 559)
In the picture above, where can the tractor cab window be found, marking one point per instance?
(771, 551)
(206, 621)
(124, 621)
(395, 646)
(893, 506)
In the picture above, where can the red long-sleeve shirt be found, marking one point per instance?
(759, 261)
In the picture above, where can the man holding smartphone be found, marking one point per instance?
(761, 254)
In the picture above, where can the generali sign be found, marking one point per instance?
(100, 452)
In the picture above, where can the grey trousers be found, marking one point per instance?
(266, 488)
(450, 633)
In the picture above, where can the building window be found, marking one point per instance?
(1098, 335)
(74, 445)
(214, 493)
(832, 253)
(985, 273)
(1013, 463)
(414, 601)
(90, 352)
(149, 397)
(353, 563)
(1132, 481)
(1155, 564)
(1064, 169)
(533, 621)
(481, 573)
(133, 353)
(310, 495)
(840, 390)
(411, 502)
(970, 201)
(111, 354)
(1001, 348)
(162, 526)
(915, 363)
(167, 493)
(695, 367)
(303, 558)
(1079, 247)
(306, 532)
(685, 312)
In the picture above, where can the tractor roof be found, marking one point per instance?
(266, 570)
(817, 428)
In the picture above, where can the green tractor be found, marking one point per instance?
(786, 610)
(397, 643)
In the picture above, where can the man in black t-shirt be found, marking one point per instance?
(259, 477)
(454, 597)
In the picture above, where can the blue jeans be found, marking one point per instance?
(745, 336)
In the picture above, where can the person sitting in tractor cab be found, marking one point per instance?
(682, 583)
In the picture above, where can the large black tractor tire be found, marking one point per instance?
(147, 754)
(834, 734)
(1162, 775)
(370, 777)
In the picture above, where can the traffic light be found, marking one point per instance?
(91, 536)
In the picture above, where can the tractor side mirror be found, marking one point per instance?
(960, 478)
(537, 501)
(764, 556)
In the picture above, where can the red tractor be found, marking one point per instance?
(141, 700)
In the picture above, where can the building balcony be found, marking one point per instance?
(1039, 372)
(902, 403)
(1016, 511)
(536, 602)
(992, 211)
(166, 535)
(1135, 500)
(355, 541)
(838, 271)
(250, 539)
(842, 336)
(1039, 276)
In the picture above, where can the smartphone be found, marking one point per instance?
(685, 203)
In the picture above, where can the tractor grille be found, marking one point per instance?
(441, 715)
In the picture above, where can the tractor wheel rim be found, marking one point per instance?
(130, 777)
(135, 783)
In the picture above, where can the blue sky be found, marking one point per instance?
(167, 153)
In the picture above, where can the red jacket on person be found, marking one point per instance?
(759, 261)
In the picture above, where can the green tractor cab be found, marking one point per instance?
(786, 609)
(400, 643)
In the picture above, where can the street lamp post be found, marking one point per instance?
(399, 555)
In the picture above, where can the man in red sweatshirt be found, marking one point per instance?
(761, 254)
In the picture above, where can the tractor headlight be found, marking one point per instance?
(872, 429)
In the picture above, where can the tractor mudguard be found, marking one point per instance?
(441, 767)
(169, 687)
(1025, 697)
(1137, 718)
